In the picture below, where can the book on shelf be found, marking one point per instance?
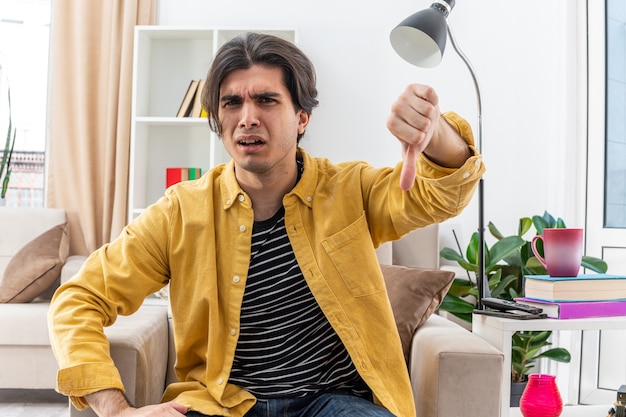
(176, 175)
(196, 111)
(186, 104)
(584, 287)
(577, 309)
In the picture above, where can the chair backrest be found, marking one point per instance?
(18, 226)
(419, 249)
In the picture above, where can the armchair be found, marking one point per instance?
(450, 367)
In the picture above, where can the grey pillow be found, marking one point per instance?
(414, 295)
(36, 266)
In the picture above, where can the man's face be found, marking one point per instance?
(259, 122)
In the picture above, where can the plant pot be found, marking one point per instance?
(541, 398)
(517, 388)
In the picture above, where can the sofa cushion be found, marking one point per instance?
(24, 324)
(414, 295)
(36, 266)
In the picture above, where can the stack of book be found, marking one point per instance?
(175, 175)
(586, 295)
(191, 104)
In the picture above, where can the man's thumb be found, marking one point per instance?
(409, 169)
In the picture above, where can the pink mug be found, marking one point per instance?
(563, 250)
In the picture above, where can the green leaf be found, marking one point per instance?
(526, 252)
(513, 294)
(5, 184)
(595, 264)
(451, 255)
(539, 337)
(531, 354)
(494, 231)
(556, 354)
(525, 224)
(5, 163)
(519, 369)
(460, 287)
(550, 221)
(468, 266)
(455, 304)
(535, 267)
(521, 352)
(494, 277)
(7, 173)
(472, 249)
(500, 289)
(540, 223)
(502, 248)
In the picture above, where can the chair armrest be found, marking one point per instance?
(453, 369)
(71, 266)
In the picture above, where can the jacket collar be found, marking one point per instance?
(304, 189)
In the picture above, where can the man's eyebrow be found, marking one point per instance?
(264, 94)
(260, 94)
(229, 97)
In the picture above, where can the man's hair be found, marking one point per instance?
(271, 51)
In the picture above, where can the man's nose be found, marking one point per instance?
(249, 116)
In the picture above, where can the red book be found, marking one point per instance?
(176, 175)
(577, 309)
(173, 176)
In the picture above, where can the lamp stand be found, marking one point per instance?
(481, 280)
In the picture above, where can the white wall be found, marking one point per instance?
(526, 56)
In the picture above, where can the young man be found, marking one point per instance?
(279, 304)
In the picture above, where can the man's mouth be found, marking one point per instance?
(250, 142)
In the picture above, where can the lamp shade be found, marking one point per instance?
(420, 39)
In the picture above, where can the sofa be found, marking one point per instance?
(445, 360)
(34, 247)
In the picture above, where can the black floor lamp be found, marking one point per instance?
(420, 39)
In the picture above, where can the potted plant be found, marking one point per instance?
(527, 348)
(7, 153)
(506, 263)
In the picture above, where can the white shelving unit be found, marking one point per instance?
(165, 60)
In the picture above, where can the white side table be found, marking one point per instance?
(498, 332)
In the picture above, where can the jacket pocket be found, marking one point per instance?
(352, 253)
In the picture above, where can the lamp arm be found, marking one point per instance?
(476, 86)
(481, 280)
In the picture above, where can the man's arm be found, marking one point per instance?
(112, 403)
(417, 123)
(447, 148)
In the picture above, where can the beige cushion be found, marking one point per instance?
(414, 295)
(36, 266)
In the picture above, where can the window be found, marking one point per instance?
(24, 47)
(602, 363)
(615, 185)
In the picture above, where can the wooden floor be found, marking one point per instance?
(32, 403)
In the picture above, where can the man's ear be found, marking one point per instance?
(303, 121)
